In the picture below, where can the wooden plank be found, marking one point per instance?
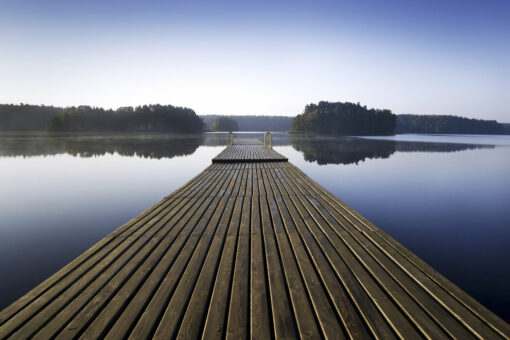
(372, 316)
(349, 316)
(254, 248)
(149, 299)
(121, 299)
(248, 153)
(124, 272)
(238, 314)
(283, 319)
(214, 327)
(346, 312)
(260, 324)
(169, 324)
(303, 310)
(462, 314)
(82, 263)
(399, 322)
(151, 316)
(198, 304)
(399, 297)
(428, 305)
(18, 305)
(51, 302)
(330, 327)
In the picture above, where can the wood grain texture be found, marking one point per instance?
(248, 153)
(249, 248)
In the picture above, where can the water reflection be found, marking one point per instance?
(83, 145)
(440, 206)
(348, 150)
(88, 145)
(320, 149)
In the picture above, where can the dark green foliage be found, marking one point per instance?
(147, 118)
(224, 124)
(255, 123)
(24, 117)
(156, 118)
(408, 123)
(344, 119)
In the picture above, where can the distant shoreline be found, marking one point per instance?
(35, 118)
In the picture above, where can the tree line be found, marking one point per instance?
(324, 117)
(344, 119)
(254, 123)
(25, 117)
(146, 118)
(354, 119)
(224, 123)
(409, 123)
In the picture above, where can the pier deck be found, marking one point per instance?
(249, 248)
(248, 153)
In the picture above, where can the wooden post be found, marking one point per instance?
(270, 139)
(232, 141)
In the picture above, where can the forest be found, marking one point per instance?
(408, 123)
(224, 123)
(254, 123)
(25, 117)
(344, 119)
(327, 118)
(147, 118)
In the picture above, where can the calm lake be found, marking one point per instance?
(446, 198)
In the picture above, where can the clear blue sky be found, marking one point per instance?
(259, 57)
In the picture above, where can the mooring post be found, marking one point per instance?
(270, 139)
(232, 141)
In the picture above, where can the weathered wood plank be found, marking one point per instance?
(248, 153)
(250, 247)
(367, 309)
(217, 313)
(260, 326)
(146, 276)
(238, 314)
(198, 304)
(283, 318)
(471, 320)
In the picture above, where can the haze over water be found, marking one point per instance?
(445, 198)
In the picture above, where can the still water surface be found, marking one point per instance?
(446, 198)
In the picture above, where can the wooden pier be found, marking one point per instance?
(248, 154)
(250, 247)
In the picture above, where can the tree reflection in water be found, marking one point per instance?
(320, 149)
(89, 145)
(348, 150)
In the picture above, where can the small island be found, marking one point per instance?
(345, 119)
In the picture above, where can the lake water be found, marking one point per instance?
(446, 198)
